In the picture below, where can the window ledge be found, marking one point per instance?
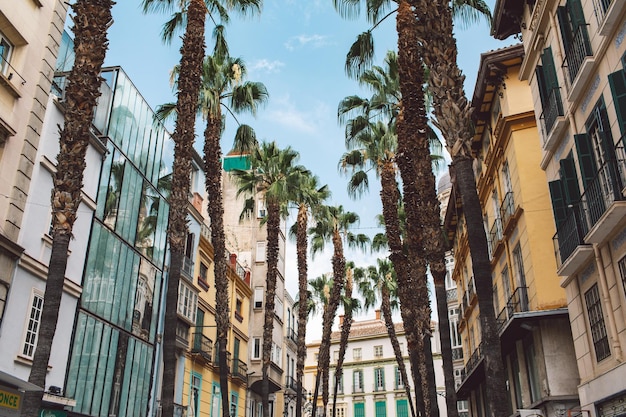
(25, 360)
(9, 86)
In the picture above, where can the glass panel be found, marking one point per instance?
(144, 300)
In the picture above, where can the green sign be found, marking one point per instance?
(52, 413)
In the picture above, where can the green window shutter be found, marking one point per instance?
(586, 159)
(402, 408)
(617, 81)
(570, 181)
(564, 25)
(381, 409)
(359, 409)
(549, 70)
(559, 207)
(541, 83)
(575, 9)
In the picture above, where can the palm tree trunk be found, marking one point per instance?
(339, 270)
(192, 53)
(273, 227)
(453, 118)
(385, 307)
(411, 127)
(215, 209)
(92, 19)
(303, 300)
(446, 345)
(343, 341)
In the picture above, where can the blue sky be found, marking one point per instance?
(297, 49)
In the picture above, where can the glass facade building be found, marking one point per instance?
(113, 349)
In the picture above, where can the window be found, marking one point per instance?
(202, 278)
(6, 49)
(549, 92)
(379, 379)
(531, 369)
(381, 409)
(399, 382)
(574, 35)
(278, 307)
(518, 262)
(234, 399)
(506, 285)
(4, 290)
(239, 309)
(596, 323)
(261, 210)
(260, 251)
(195, 391)
(256, 348)
(378, 351)
(340, 411)
(275, 355)
(187, 302)
(357, 381)
(340, 382)
(617, 81)
(359, 409)
(402, 408)
(356, 354)
(258, 297)
(621, 264)
(335, 356)
(33, 322)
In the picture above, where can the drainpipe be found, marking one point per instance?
(606, 300)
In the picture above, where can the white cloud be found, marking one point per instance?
(315, 41)
(286, 114)
(267, 66)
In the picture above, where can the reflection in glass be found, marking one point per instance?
(114, 188)
(144, 296)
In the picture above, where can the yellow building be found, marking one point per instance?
(201, 386)
(575, 64)
(530, 306)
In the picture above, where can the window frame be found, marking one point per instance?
(256, 348)
(32, 324)
(5, 59)
(379, 379)
(597, 326)
(187, 305)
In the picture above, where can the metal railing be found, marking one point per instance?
(517, 303)
(290, 383)
(451, 294)
(457, 353)
(202, 345)
(240, 369)
(4, 64)
(552, 109)
(578, 50)
(507, 209)
(472, 362)
(495, 235)
(292, 335)
(216, 360)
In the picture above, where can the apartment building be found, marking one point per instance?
(575, 64)
(30, 34)
(530, 306)
(371, 385)
(248, 240)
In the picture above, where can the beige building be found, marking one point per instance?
(530, 306)
(248, 240)
(575, 64)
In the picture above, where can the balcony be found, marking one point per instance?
(570, 249)
(472, 362)
(552, 119)
(240, 370)
(216, 361)
(179, 410)
(291, 383)
(579, 63)
(451, 295)
(292, 335)
(202, 345)
(507, 209)
(517, 303)
(607, 14)
(182, 335)
(187, 268)
(457, 353)
(357, 389)
(495, 236)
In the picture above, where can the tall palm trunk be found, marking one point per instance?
(412, 128)
(385, 307)
(192, 54)
(92, 19)
(303, 300)
(339, 270)
(453, 113)
(215, 208)
(273, 228)
(343, 340)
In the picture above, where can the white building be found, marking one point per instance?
(371, 383)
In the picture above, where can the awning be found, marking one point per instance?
(17, 383)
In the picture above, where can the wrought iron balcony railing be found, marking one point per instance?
(202, 345)
(579, 49)
(552, 109)
(240, 369)
(507, 209)
(517, 303)
(495, 235)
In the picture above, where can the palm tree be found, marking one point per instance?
(190, 14)
(222, 86)
(273, 174)
(309, 196)
(333, 224)
(350, 305)
(452, 111)
(91, 21)
(378, 282)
